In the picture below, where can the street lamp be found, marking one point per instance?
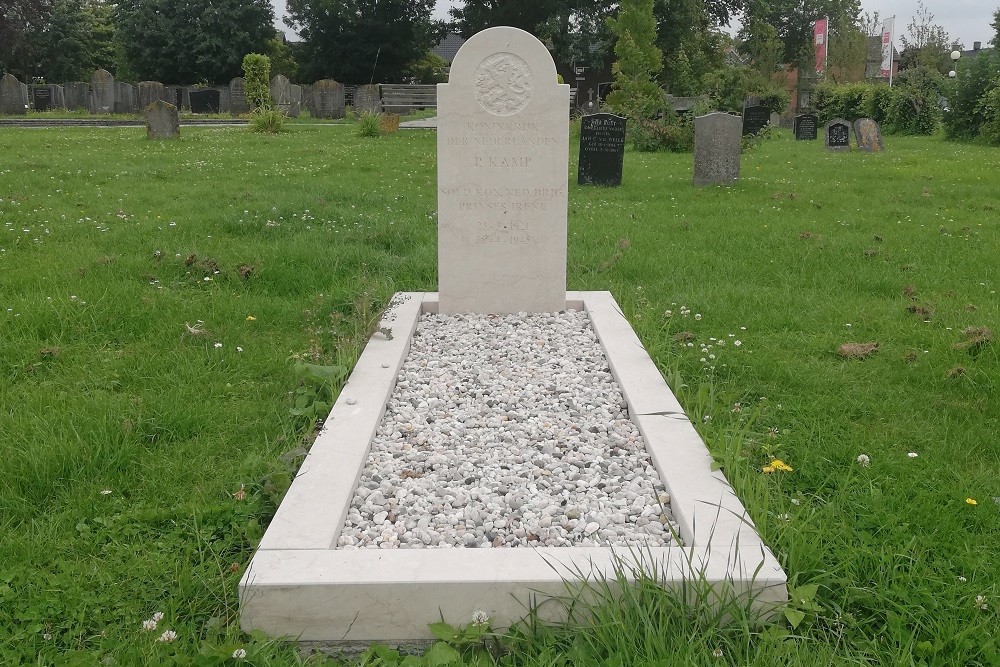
(955, 55)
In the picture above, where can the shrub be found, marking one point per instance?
(266, 119)
(370, 125)
(669, 132)
(432, 68)
(966, 113)
(256, 77)
(989, 108)
(915, 108)
(729, 87)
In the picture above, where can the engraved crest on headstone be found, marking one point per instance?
(503, 84)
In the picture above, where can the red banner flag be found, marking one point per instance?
(820, 34)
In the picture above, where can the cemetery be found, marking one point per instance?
(382, 393)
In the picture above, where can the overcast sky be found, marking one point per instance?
(967, 21)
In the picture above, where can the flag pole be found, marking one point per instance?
(892, 30)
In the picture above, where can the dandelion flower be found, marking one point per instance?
(239, 654)
(167, 636)
(480, 617)
(251, 318)
(776, 465)
(863, 460)
(971, 501)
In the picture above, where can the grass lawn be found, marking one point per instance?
(158, 301)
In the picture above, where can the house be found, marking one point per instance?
(873, 63)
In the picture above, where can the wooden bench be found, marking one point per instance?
(403, 98)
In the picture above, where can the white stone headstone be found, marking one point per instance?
(503, 151)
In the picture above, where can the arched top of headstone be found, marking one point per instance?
(103, 75)
(279, 80)
(504, 65)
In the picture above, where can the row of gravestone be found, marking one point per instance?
(103, 95)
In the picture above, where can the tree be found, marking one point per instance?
(996, 29)
(282, 59)
(362, 41)
(848, 50)
(19, 20)
(759, 40)
(691, 46)
(793, 20)
(926, 44)
(633, 93)
(191, 41)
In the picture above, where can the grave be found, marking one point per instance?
(77, 95)
(205, 100)
(717, 144)
(315, 578)
(125, 98)
(162, 121)
(367, 100)
(327, 99)
(102, 88)
(837, 135)
(295, 101)
(13, 102)
(149, 92)
(238, 104)
(602, 150)
(868, 135)
(41, 98)
(805, 127)
(755, 118)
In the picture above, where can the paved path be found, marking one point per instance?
(423, 124)
(110, 122)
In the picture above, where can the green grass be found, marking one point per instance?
(106, 241)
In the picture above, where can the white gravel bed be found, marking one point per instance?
(507, 431)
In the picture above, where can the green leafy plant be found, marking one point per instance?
(267, 120)
(370, 125)
(256, 79)
(313, 397)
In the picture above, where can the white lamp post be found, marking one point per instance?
(955, 55)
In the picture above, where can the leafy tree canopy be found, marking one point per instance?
(793, 19)
(191, 41)
(925, 43)
(362, 41)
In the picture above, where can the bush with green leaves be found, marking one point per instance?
(729, 87)
(370, 125)
(267, 120)
(669, 132)
(915, 107)
(634, 94)
(432, 68)
(256, 80)
(968, 96)
(910, 107)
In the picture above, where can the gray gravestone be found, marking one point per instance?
(162, 121)
(805, 127)
(837, 135)
(602, 150)
(327, 99)
(12, 101)
(126, 100)
(295, 95)
(755, 119)
(224, 99)
(775, 119)
(868, 135)
(238, 97)
(366, 99)
(717, 142)
(151, 91)
(77, 95)
(502, 158)
(102, 90)
(281, 92)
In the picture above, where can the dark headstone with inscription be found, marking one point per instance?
(205, 100)
(755, 119)
(602, 149)
(837, 135)
(76, 95)
(238, 97)
(366, 99)
(327, 99)
(102, 90)
(806, 127)
(12, 100)
(868, 135)
(162, 121)
(41, 98)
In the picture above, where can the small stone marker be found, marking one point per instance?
(12, 101)
(602, 150)
(717, 143)
(162, 121)
(868, 135)
(755, 119)
(805, 127)
(102, 89)
(503, 149)
(366, 99)
(838, 135)
(205, 100)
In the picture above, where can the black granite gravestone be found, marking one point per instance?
(837, 135)
(805, 128)
(42, 98)
(205, 101)
(602, 149)
(755, 119)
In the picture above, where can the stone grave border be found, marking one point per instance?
(299, 586)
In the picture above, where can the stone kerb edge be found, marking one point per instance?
(298, 584)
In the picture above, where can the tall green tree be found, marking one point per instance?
(19, 21)
(793, 20)
(362, 41)
(996, 29)
(925, 43)
(191, 41)
(634, 92)
(691, 44)
(848, 50)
